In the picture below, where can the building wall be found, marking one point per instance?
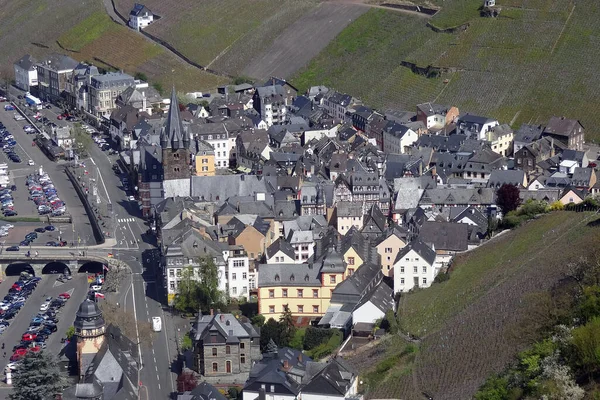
(280, 257)
(245, 351)
(237, 276)
(175, 163)
(308, 300)
(367, 313)
(404, 273)
(247, 395)
(388, 250)
(353, 261)
(253, 242)
(205, 165)
(345, 223)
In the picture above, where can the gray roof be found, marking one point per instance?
(59, 62)
(499, 177)
(561, 126)
(581, 176)
(227, 325)
(450, 143)
(425, 251)
(283, 246)
(349, 209)
(173, 135)
(27, 62)
(139, 9)
(351, 290)
(458, 196)
(288, 275)
(408, 192)
(528, 133)
(447, 236)
(474, 119)
(547, 195)
(430, 109)
(220, 188)
(472, 213)
(204, 391)
(381, 297)
(112, 79)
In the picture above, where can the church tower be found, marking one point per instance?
(175, 143)
(89, 332)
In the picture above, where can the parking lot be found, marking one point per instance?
(81, 233)
(47, 287)
(19, 230)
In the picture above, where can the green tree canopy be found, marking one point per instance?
(269, 332)
(81, 140)
(286, 327)
(37, 378)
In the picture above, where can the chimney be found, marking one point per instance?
(300, 357)
(222, 318)
(212, 311)
(551, 147)
(286, 365)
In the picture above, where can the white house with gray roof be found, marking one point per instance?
(26, 73)
(415, 267)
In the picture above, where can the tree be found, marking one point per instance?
(269, 332)
(209, 283)
(70, 332)
(188, 292)
(81, 140)
(507, 198)
(586, 341)
(286, 327)
(126, 322)
(187, 343)
(141, 76)
(187, 380)
(37, 378)
(258, 320)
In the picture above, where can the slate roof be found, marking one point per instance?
(288, 275)
(204, 391)
(173, 135)
(499, 177)
(528, 133)
(582, 176)
(27, 63)
(352, 290)
(334, 379)
(430, 109)
(447, 236)
(220, 188)
(441, 143)
(408, 192)
(561, 126)
(474, 119)
(349, 209)
(280, 245)
(271, 370)
(458, 196)
(59, 62)
(227, 325)
(139, 9)
(425, 251)
(457, 213)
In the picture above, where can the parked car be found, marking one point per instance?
(12, 248)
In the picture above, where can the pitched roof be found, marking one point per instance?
(27, 63)
(280, 245)
(288, 275)
(139, 9)
(425, 251)
(448, 236)
(173, 135)
(499, 177)
(433, 109)
(561, 126)
(528, 133)
(227, 325)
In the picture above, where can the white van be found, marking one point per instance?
(156, 324)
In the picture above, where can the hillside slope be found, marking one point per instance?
(534, 61)
(83, 27)
(494, 304)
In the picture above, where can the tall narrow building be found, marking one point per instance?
(175, 143)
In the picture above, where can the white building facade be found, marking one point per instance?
(415, 267)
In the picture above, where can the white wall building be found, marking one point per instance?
(415, 266)
(26, 73)
(397, 138)
(140, 17)
(237, 272)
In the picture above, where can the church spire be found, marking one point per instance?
(173, 135)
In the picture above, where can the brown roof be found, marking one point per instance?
(561, 126)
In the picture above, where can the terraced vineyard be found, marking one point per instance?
(494, 304)
(228, 33)
(534, 61)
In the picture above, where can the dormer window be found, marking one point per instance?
(292, 278)
(277, 278)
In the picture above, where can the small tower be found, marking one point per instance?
(89, 330)
(175, 143)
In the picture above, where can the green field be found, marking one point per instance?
(536, 60)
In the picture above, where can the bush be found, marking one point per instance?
(316, 336)
(532, 208)
(556, 206)
(511, 221)
(233, 392)
(297, 341)
(70, 332)
(186, 343)
(258, 320)
(441, 277)
(324, 349)
(390, 323)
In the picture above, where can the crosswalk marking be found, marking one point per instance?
(126, 220)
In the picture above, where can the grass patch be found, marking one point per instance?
(85, 32)
(455, 13)
(21, 219)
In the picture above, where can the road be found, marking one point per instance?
(143, 295)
